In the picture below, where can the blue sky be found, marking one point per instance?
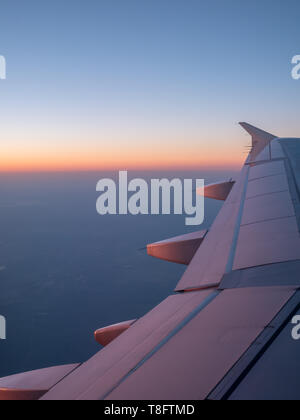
(126, 76)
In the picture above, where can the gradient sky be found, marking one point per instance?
(124, 84)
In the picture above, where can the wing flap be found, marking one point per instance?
(195, 360)
(99, 375)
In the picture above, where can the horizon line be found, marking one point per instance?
(181, 168)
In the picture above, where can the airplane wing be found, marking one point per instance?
(225, 332)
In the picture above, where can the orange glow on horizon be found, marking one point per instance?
(136, 162)
(41, 157)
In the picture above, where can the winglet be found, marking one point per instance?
(260, 138)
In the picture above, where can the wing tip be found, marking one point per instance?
(255, 131)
